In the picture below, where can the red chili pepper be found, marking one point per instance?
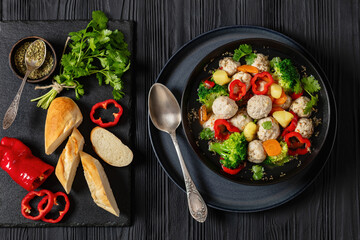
(61, 213)
(220, 127)
(294, 148)
(292, 125)
(26, 208)
(104, 106)
(264, 76)
(296, 95)
(209, 84)
(237, 90)
(23, 167)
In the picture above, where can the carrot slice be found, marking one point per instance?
(203, 115)
(272, 147)
(281, 100)
(248, 69)
(275, 109)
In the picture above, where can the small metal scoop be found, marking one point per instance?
(31, 65)
(165, 114)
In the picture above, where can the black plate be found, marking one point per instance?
(192, 127)
(217, 191)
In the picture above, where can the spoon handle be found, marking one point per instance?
(10, 114)
(197, 206)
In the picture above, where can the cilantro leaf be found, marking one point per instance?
(206, 134)
(243, 50)
(310, 84)
(312, 103)
(297, 87)
(250, 58)
(267, 125)
(99, 20)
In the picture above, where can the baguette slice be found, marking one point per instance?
(98, 184)
(110, 148)
(69, 160)
(63, 115)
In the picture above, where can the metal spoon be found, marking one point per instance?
(165, 114)
(31, 65)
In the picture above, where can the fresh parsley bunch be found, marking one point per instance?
(93, 50)
(244, 50)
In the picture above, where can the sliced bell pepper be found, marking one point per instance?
(61, 213)
(209, 84)
(23, 167)
(295, 146)
(247, 68)
(292, 125)
(264, 76)
(237, 90)
(223, 129)
(104, 105)
(295, 96)
(26, 208)
(233, 171)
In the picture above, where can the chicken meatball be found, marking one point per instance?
(244, 78)
(268, 129)
(298, 106)
(256, 153)
(240, 119)
(305, 127)
(224, 107)
(259, 106)
(210, 122)
(229, 65)
(262, 63)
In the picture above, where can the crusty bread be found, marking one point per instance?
(110, 148)
(69, 160)
(98, 184)
(63, 115)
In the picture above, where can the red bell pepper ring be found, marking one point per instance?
(232, 171)
(23, 167)
(292, 125)
(209, 84)
(264, 76)
(61, 213)
(295, 96)
(104, 106)
(296, 150)
(26, 208)
(237, 90)
(220, 127)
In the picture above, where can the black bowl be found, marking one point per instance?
(192, 127)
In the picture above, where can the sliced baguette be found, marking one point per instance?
(62, 117)
(69, 160)
(98, 184)
(110, 148)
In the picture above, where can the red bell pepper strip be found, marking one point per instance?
(264, 76)
(296, 95)
(293, 149)
(233, 171)
(237, 90)
(104, 106)
(220, 127)
(23, 167)
(61, 213)
(209, 84)
(292, 125)
(26, 208)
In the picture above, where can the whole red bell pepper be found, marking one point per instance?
(26, 208)
(264, 76)
(292, 125)
(294, 147)
(104, 105)
(23, 167)
(54, 198)
(237, 90)
(223, 129)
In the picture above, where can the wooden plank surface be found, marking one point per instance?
(329, 29)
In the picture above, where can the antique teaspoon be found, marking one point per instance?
(165, 114)
(34, 58)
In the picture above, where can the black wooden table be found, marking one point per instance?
(329, 29)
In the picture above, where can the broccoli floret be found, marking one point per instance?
(233, 150)
(207, 96)
(280, 159)
(285, 72)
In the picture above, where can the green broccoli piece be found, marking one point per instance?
(280, 159)
(285, 72)
(233, 150)
(207, 96)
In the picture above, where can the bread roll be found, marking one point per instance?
(69, 160)
(62, 117)
(98, 184)
(110, 148)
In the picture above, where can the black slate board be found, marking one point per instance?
(29, 128)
